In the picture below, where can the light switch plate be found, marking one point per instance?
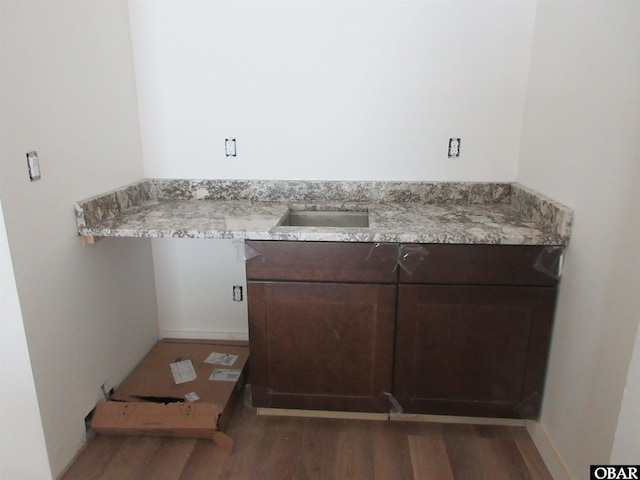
(34, 166)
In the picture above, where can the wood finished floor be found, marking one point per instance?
(268, 447)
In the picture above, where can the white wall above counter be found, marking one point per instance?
(331, 90)
(408, 212)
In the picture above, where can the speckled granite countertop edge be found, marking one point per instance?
(407, 212)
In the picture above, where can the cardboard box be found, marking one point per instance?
(150, 402)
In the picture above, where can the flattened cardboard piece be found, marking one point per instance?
(153, 377)
(156, 418)
(138, 405)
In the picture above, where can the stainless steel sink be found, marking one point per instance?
(323, 218)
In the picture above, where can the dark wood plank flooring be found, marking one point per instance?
(268, 447)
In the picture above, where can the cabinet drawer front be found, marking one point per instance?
(323, 262)
(481, 265)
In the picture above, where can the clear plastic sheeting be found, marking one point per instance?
(262, 394)
(245, 251)
(248, 400)
(411, 256)
(382, 251)
(550, 261)
(395, 407)
(529, 406)
(408, 257)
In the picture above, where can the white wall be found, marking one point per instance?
(580, 145)
(331, 90)
(89, 312)
(194, 286)
(320, 90)
(626, 444)
(352, 90)
(23, 453)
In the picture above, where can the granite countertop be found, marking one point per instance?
(406, 212)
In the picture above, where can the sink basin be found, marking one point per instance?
(321, 218)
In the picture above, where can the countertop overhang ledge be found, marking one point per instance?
(406, 212)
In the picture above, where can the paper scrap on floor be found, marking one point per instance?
(226, 375)
(221, 359)
(183, 371)
(192, 397)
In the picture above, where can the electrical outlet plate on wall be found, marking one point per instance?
(230, 147)
(454, 148)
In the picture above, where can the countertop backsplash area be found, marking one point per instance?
(420, 212)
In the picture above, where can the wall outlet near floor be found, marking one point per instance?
(237, 293)
(106, 392)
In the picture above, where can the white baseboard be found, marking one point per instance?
(201, 335)
(548, 451)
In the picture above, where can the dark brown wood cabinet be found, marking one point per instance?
(472, 350)
(474, 326)
(321, 326)
(334, 326)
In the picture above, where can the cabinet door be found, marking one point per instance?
(468, 350)
(321, 346)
